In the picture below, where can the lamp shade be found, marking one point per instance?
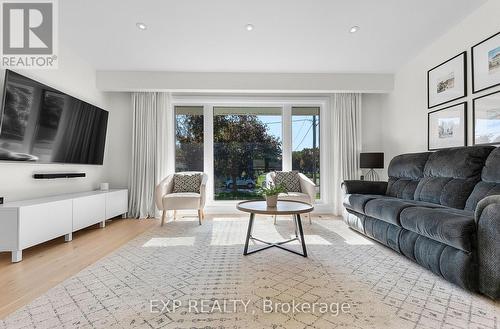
(371, 160)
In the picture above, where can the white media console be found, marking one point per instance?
(27, 223)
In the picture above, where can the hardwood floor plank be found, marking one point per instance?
(46, 265)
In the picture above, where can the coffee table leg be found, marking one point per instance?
(301, 232)
(295, 224)
(249, 233)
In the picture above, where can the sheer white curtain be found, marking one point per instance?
(150, 140)
(346, 138)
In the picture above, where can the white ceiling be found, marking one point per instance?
(289, 35)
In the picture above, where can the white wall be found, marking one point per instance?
(77, 78)
(404, 120)
(119, 140)
(371, 118)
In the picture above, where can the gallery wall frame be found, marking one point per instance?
(453, 139)
(495, 108)
(485, 58)
(449, 77)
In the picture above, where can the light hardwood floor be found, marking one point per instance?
(48, 264)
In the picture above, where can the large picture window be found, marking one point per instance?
(305, 143)
(247, 145)
(189, 132)
(239, 143)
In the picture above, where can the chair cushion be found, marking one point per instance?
(187, 183)
(452, 227)
(389, 209)
(185, 200)
(289, 179)
(294, 196)
(357, 202)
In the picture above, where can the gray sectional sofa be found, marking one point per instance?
(441, 210)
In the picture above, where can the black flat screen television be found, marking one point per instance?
(43, 125)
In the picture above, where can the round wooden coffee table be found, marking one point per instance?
(294, 208)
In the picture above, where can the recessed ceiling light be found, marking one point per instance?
(354, 29)
(249, 27)
(141, 26)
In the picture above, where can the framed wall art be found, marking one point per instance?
(486, 119)
(447, 127)
(486, 64)
(447, 81)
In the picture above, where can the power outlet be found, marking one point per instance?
(1, 199)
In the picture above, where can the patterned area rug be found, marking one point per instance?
(184, 275)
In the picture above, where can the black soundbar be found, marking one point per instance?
(59, 175)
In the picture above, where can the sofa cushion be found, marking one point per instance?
(407, 240)
(490, 181)
(402, 188)
(451, 227)
(452, 264)
(408, 165)
(481, 191)
(405, 171)
(389, 209)
(491, 170)
(357, 202)
(383, 232)
(450, 175)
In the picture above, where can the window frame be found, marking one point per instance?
(320, 139)
(286, 103)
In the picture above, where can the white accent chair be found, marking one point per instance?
(166, 200)
(307, 192)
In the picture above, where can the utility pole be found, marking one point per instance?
(314, 148)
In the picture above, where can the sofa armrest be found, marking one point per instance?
(270, 179)
(487, 217)
(364, 187)
(163, 188)
(308, 187)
